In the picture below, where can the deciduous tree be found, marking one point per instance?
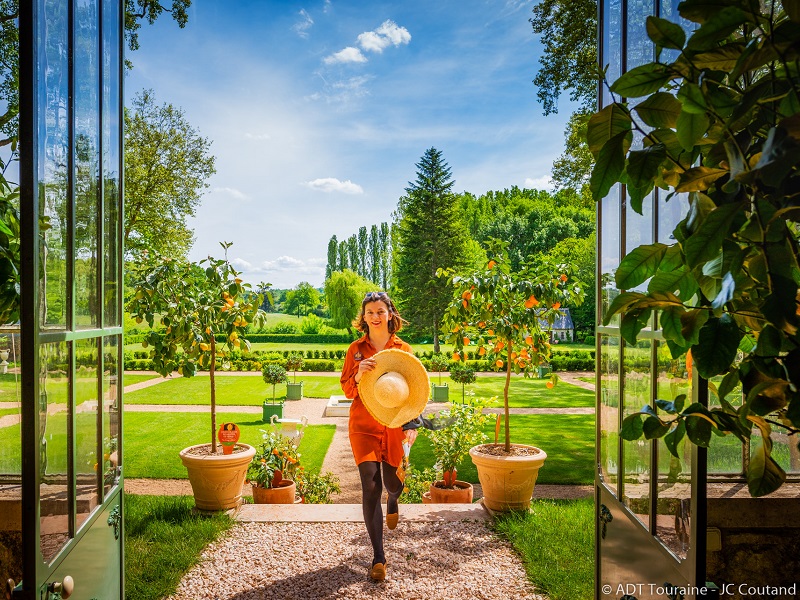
(344, 291)
(301, 300)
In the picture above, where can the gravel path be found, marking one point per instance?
(425, 561)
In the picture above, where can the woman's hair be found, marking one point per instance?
(395, 320)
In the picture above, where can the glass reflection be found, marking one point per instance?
(111, 159)
(10, 462)
(54, 496)
(87, 164)
(670, 213)
(88, 464)
(111, 411)
(53, 89)
(673, 522)
(612, 39)
(640, 49)
(609, 249)
(637, 453)
(609, 410)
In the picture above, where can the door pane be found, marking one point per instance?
(53, 449)
(636, 454)
(609, 250)
(639, 47)
(87, 164)
(612, 39)
(609, 410)
(53, 90)
(111, 158)
(88, 465)
(10, 471)
(111, 410)
(673, 523)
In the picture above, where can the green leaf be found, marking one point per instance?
(770, 341)
(680, 280)
(792, 9)
(674, 437)
(716, 348)
(671, 325)
(764, 475)
(700, 11)
(638, 265)
(642, 80)
(622, 302)
(643, 165)
(728, 383)
(660, 110)
(654, 428)
(717, 28)
(690, 127)
(698, 431)
(767, 396)
(706, 242)
(609, 166)
(667, 406)
(665, 34)
(719, 59)
(631, 427)
(691, 98)
(604, 125)
(699, 179)
(780, 307)
(633, 322)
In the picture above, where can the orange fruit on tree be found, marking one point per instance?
(529, 340)
(491, 264)
(513, 356)
(499, 346)
(466, 341)
(455, 329)
(563, 277)
(482, 324)
(499, 363)
(482, 350)
(456, 356)
(465, 303)
(549, 384)
(466, 295)
(490, 332)
(531, 301)
(557, 305)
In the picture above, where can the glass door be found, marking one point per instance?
(70, 304)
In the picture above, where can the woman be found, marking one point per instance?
(378, 449)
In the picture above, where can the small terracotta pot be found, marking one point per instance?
(426, 498)
(460, 494)
(283, 494)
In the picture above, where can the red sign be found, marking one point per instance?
(228, 435)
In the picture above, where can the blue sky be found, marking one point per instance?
(319, 111)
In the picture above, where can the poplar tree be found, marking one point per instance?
(363, 252)
(385, 242)
(431, 236)
(374, 256)
(333, 249)
(352, 253)
(343, 262)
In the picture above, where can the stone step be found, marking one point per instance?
(351, 513)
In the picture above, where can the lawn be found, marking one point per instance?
(568, 441)
(163, 540)
(131, 378)
(9, 411)
(252, 391)
(556, 542)
(153, 440)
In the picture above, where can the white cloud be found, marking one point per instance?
(229, 191)
(241, 264)
(348, 55)
(388, 34)
(301, 27)
(539, 183)
(342, 91)
(259, 137)
(327, 7)
(331, 184)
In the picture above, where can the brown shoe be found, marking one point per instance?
(391, 520)
(378, 572)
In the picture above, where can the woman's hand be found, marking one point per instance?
(367, 364)
(411, 436)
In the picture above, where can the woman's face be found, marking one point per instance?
(376, 315)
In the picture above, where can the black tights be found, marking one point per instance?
(371, 491)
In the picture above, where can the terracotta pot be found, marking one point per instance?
(460, 494)
(426, 498)
(283, 494)
(507, 481)
(217, 479)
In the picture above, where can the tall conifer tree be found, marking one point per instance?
(431, 235)
(333, 250)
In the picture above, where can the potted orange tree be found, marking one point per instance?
(273, 469)
(294, 390)
(193, 309)
(507, 314)
(440, 392)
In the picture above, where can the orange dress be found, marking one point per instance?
(370, 440)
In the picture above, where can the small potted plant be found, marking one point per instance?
(273, 375)
(451, 445)
(439, 393)
(273, 469)
(294, 363)
(462, 374)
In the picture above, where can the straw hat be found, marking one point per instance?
(397, 389)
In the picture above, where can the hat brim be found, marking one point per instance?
(419, 388)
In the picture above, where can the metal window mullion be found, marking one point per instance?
(70, 274)
(654, 442)
(100, 273)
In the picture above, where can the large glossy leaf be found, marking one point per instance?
(631, 427)
(654, 428)
(767, 396)
(700, 11)
(699, 179)
(716, 348)
(706, 242)
(698, 430)
(642, 80)
(643, 165)
(728, 383)
(622, 302)
(680, 280)
(665, 34)
(671, 325)
(719, 59)
(633, 322)
(764, 475)
(659, 110)
(609, 166)
(717, 28)
(780, 307)
(639, 265)
(674, 437)
(691, 98)
(690, 127)
(606, 124)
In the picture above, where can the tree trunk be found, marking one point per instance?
(213, 395)
(505, 396)
(435, 339)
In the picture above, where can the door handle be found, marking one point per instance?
(60, 590)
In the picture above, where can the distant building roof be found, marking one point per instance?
(563, 321)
